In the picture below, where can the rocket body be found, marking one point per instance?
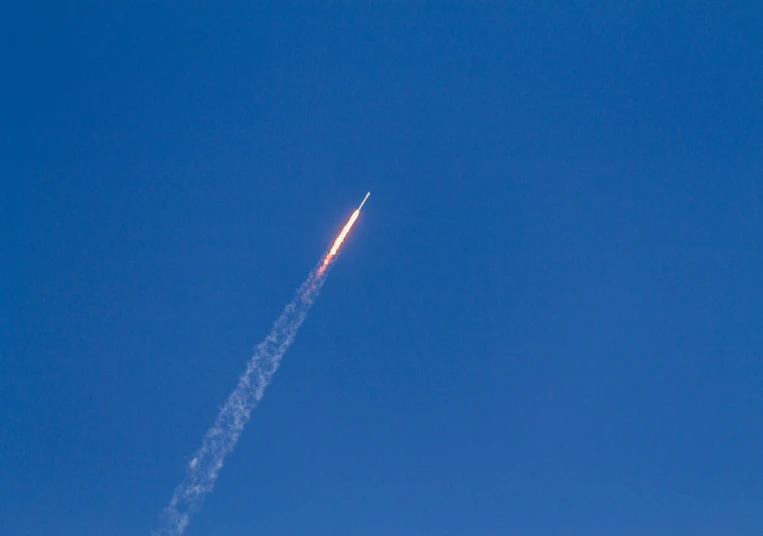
(364, 200)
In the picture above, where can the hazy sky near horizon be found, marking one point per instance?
(547, 320)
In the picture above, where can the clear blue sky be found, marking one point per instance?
(548, 320)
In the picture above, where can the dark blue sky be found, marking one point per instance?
(548, 320)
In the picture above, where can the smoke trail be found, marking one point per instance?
(221, 439)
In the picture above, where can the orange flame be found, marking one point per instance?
(339, 239)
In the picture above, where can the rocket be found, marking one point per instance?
(364, 200)
(341, 236)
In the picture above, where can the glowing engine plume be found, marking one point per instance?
(340, 238)
(221, 439)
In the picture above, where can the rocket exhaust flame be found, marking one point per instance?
(221, 439)
(342, 235)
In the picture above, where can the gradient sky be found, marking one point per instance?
(547, 321)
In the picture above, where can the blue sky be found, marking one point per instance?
(548, 319)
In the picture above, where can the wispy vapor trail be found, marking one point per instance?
(221, 439)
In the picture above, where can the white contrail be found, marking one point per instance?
(221, 439)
